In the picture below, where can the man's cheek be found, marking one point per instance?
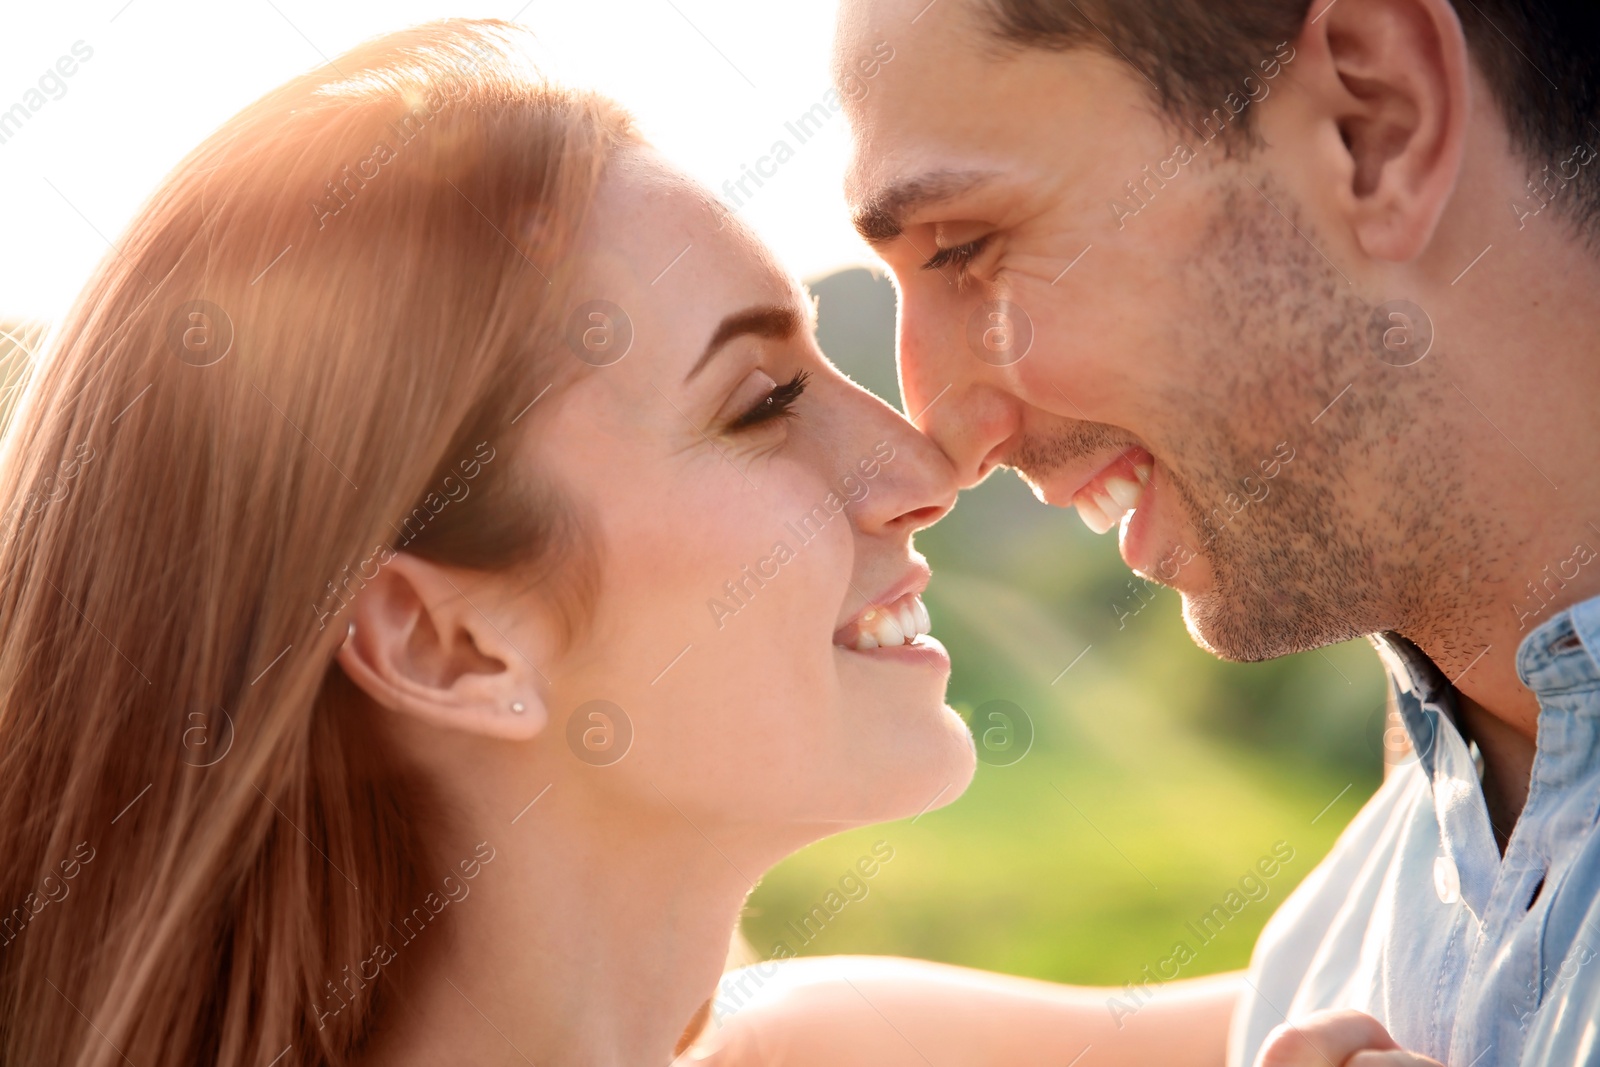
(854, 88)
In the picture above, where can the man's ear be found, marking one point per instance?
(1392, 76)
(419, 646)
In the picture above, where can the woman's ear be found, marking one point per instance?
(418, 646)
(1392, 76)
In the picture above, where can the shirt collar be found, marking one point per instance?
(1559, 655)
(1411, 671)
(1559, 661)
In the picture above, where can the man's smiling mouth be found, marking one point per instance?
(1115, 490)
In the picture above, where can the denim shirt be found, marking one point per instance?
(1415, 918)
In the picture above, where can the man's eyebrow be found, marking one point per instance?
(765, 320)
(882, 213)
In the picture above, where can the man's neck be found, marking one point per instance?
(1496, 711)
(1507, 765)
(1511, 434)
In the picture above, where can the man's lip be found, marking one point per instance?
(913, 580)
(1059, 489)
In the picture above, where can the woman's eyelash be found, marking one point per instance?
(959, 255)
(778, 404)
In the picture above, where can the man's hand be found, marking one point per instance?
(1336, 1039)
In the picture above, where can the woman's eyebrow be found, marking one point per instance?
(765, 320)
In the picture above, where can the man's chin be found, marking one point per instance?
(1226, 627)
(1250, 630)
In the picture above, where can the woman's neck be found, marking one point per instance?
(585, 940)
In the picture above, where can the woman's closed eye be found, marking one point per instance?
(777, 402)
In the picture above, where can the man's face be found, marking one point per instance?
(1098, 297)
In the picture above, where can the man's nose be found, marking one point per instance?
(951, 395)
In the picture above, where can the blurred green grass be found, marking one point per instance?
(1157, 778)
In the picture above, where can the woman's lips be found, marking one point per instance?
(901, 621)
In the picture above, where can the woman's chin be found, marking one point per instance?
(960, 760)
(928, 774)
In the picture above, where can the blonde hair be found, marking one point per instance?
(329, 308)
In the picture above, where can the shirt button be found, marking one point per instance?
(1446, 880)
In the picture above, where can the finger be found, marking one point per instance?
(1322, 1039)
(1392, 1058)
(717, 1051)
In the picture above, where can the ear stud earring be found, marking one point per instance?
(518, 707)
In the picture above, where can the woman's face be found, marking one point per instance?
(753, 512)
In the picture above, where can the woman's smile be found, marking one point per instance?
(894, 626)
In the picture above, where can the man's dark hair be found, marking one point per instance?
(1541, 59)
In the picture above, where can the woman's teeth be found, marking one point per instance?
(1102, 503)
(897, 623)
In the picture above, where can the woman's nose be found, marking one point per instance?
(910, 482)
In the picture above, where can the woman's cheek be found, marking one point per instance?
(784, 567)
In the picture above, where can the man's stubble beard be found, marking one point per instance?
(1363, 530)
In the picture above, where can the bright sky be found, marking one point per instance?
(712, 83)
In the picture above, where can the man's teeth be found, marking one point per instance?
(886, 626)
(1124, 492)
(1102, 503)
(1093, 509)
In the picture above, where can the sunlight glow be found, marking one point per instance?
(114, 92)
